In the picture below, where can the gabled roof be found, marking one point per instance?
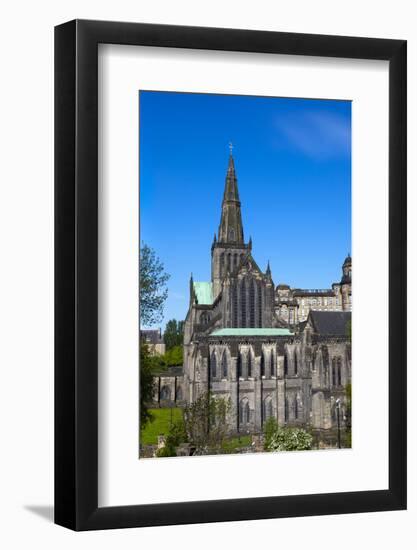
(152, 336)
(203, 292)
(252, 332)
(330, 323)
(247, 259)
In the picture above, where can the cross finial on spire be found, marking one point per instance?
(231, 148)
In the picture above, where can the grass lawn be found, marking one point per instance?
(231, 445)
(160, 425)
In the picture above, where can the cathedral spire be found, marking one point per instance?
(268, 270)
(230, 229)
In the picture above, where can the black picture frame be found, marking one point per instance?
(76, 272)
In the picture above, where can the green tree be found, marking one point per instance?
(205, 422)
(146, 383)
(153, 291)
(173, 357)
(152, 295)
(174, 334)
(175, 437)
(286, 439)
(270, 428)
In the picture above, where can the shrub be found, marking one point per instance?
(175, 437)
(286, 439)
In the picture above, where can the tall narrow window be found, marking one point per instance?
(235, 306)
(259, 304)
(249, 364)
(247, 413)
(272, 364)
(252, 303)
(334, 371)
(165, 393)
(296, 407)
(285, 364)
(286, 409)
(262, 365)
(224, 365)
(213, 365)
(339, 371)
(235, 260)
(243, 303)
(222, 264)
(295, 363)
(244, 412)
(229, 262)
(239, 365)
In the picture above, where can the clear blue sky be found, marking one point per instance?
(293, 163)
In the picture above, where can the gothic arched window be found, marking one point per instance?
(285, 364)
(252, 303)
(334, 371)
(259, 304)
(295, 363)
(243, 303)
(235, 307)
(165, 393)
(205, 318)
(224, 365)
(262, 365)
(213, 365)
(222, 264)
(247, 413)
(179, 394)
(339, 371)
(239, 365)
(232, 234)
(272, 363)
(249, 364)
(235, 260)
(244, 412)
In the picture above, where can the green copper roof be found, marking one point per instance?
(252, 332)
(204, 293)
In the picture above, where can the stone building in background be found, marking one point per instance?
(153, 339)
(292, 305)
(274, 351)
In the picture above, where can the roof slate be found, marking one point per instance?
(330, 323)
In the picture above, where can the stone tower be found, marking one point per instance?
(228, 248)
(346, 284)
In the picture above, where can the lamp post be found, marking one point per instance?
(338, 422)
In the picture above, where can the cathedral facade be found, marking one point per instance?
(273, 351)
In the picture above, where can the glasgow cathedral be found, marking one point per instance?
(275, 351)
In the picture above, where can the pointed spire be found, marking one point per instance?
(268, 270)
(230, 190)
(250, 243)
(230, 229)
(191, 289)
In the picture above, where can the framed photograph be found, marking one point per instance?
(217, 355)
